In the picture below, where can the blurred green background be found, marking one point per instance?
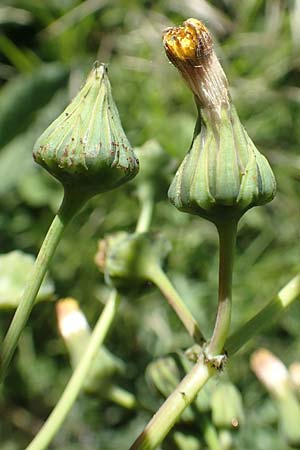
(46, 50)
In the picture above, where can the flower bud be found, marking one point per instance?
(223, 174)
(274, 375)
(125, 257)
(85, 148)
(227, 406)
(76, 333)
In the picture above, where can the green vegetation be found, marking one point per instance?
(46, 51)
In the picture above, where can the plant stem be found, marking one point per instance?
(66, 401)
(171, 410)
(173, 407)
(70, 205)
(147, 206)
(227, 236)
(265, 316)
(160, 279)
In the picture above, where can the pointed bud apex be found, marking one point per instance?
(125, 257)
(223, 174)
(85, 148)
(227, 406)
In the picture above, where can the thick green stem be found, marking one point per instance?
(171, 410)
(160, 279)
(70, 206)
(167, 415)
(227, 237)
(147, 206)
(66, 401)
(268, 315)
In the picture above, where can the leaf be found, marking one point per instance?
(24, 95)
(15, 268)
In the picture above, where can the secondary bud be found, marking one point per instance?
(227, 406)
(85, 147)
(223, 174)
(76, 333)
(125, 257)
(274, 375)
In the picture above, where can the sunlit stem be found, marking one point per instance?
(265, 317)
(66, 401)
(161, 280)
(145, 194)
(173, 407)
(71, 204)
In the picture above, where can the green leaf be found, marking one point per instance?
(21, 97)
(15, 268)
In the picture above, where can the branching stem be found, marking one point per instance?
(160, 279)
(171, 410)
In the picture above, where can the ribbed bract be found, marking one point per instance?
(223, 173)
(86, 147)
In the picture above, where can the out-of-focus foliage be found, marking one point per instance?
(46, 50)
(15, 267)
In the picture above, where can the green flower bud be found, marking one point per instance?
(227, 406)
(85, 148)
(125, 257)
(223, 174)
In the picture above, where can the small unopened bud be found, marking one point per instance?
(124, 257)
(275, 377)
(85, 148)
(76, 333)
(227, 406)
(223, 174)
(271, 372)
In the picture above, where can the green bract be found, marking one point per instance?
(85, 147)
(125, 257)
(223, 173)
